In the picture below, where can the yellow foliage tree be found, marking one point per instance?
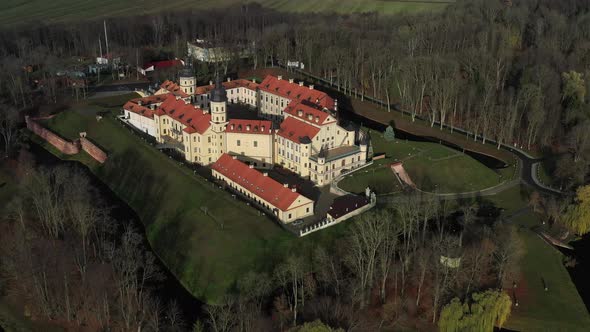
(577, 217)
(574, 87)
(485, 310)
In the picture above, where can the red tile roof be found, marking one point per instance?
(308, 113)
(155, 99)
(173, 88)
(295, 92)
(141, 110)
(239, 83)
(249, 178)
(164, 64)
(249, 126)
(295, 130)
(191, 116)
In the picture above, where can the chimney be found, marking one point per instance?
(279, 77)
(139, 102)
(253, 80)
(286, 185)
(301, 83)
(291, 80)
(251, 165)
(262, 128)
(229, 79)
(210, 82)
(265, 174)
(294, 189)
(311, 86)
(232, 126)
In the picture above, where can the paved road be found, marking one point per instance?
(529, 164)
(118, 87)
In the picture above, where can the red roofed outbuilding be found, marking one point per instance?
(285, 203)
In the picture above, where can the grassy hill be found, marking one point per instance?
(25, 11)
(207, 252)
(432, 167)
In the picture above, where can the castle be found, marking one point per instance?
(296, 129)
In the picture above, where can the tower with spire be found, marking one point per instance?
(218, 106)
(186, 76)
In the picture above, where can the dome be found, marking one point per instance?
(187, 70)
(218, 94)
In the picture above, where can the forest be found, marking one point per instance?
(70, 262)
(509, 71)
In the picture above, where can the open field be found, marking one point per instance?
(207, 252)
(59, 11)
(431, 166)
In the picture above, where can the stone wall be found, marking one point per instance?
(93, 150)
(65, 146)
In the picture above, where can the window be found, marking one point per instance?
(307, 210)
(239, 143)
(255, 144)
(209, 139)
(289, 215)
(343, 162)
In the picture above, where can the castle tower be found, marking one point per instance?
(218, 107)
(365, 145)
(188, 81)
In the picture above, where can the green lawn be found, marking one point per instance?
(380, 179)
(431, 166)
(206, 252)
(24, 11)
(561, 307)
(558, 309)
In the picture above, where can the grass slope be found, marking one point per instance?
(560, 308)
(206, 252)
(24, 11)
(431, 166)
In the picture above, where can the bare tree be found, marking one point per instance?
(8, 126)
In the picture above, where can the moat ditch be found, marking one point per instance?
(487, 160)
(166, 290)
